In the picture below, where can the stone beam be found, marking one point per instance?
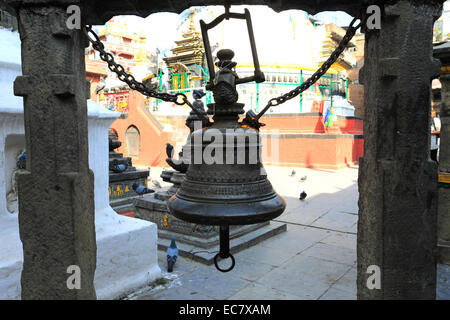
(100, 11)
(397, 179)
(56, 196)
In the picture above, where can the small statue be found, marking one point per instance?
(179, 165)
(114, 143)
(225, 92)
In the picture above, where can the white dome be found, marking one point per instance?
(285, 38)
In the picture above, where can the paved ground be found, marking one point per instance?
(314, 259)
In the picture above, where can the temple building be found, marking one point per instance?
(129, 50)
(187, 64)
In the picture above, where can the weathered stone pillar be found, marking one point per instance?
(56, 201)
(397, 180)
(443, 53)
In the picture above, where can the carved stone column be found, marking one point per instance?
(443, 53)
(56, 196)
(397, 179)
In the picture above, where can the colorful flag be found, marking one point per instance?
(329, 117)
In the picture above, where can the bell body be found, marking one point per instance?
(225, 183)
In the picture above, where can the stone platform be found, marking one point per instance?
(242, 239)
(198, 242)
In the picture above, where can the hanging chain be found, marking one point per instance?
(181, 99)
(178, 98)
(253, 119)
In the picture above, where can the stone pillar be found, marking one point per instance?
(397, 179)
(443, 53)
(56, 196)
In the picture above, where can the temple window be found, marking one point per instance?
(132, 138)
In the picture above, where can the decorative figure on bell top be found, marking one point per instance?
(225, 81)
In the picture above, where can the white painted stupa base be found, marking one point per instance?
(126, 247)
(11, 258)
(126, 254)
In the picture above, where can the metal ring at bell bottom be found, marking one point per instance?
(224, 270)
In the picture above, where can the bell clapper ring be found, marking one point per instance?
(224, 253)
(229, 268)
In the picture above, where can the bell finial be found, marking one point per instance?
(225, 56)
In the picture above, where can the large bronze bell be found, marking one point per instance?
(232, 189)
(226, 183)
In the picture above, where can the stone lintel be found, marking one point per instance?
(63, 85)
(18, 3)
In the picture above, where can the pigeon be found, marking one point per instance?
(303, 195)
(292, 173)
(101, 85)
(21, 161)
(172, 255)
(169, 150)
(156, 183)
(141, 190)
(303, 179)
(118, 168)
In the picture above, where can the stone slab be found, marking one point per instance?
(336, 294)
(297, 239)
(213, 283)
(336, 220)
(256, 291)
(443, 282)
(175, 293)
(305, 277)
(332, 253)
(347, 282)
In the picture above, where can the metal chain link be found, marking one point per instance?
(318, 74)
(178, 98)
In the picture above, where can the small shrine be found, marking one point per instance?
(186, 63)
(122, 176)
